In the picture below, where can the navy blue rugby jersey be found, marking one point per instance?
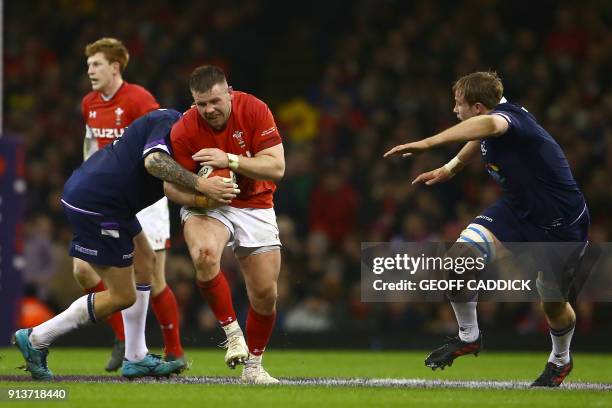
(533, 172)
(114, 181)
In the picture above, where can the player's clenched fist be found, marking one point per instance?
(217, 188)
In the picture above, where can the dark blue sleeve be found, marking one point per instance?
(158, 138)
(515, 119)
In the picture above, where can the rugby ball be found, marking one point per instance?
(210, 171)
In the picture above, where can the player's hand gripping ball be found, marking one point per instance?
(210, 171)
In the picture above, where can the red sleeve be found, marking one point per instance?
(179, 142)
(265, 132)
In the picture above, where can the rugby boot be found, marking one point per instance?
(237, 351)
(181, 359)
(116, 358)
(151, 366)
(36, 360)
(254, 373)
(455, 347)
(553, 375)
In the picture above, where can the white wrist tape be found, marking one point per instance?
(233, 161)
(454, 165)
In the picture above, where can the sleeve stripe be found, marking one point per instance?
(268, 131)
(159, 146)
(155, 143)
(269, 143)
(503, 115)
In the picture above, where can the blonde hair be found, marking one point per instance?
(483, 87)
(113, 50)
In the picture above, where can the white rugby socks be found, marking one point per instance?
(134, 321)
(81, 312)
(78, 314)
(465, 313)
(561, 340)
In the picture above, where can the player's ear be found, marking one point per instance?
(116, 67)
(230, 90)
(480, 108)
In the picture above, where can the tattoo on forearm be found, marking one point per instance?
(164, 167)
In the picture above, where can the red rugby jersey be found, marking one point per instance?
(249, 130)
(106, 120)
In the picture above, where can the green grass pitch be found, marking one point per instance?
(489, 366)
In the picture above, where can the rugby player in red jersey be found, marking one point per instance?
(235, 130)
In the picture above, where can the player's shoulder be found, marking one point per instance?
(134, 91)
(190, 117)
(247, 102)
(511, 107)
(511, 110)
(90, 98)
(187, 123)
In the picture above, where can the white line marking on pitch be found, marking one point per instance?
(327, 382)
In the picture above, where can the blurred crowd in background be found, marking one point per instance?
(345, 81)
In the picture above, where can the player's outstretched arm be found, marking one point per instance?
(448, 171)
(268, 164)
(162, 166)
(409, 149)
(475, 128)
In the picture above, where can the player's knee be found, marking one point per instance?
(475, 242)
(84, 275)
(462, 295)
(206, 260)
(264, 297)
(125, 299)
(478, 240)
(121, 297)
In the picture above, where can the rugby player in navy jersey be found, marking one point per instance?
(101, 200)
(540, 202)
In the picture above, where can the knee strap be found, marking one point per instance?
(479, 238)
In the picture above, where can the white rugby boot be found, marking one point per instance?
(254, 373)
(237, 350)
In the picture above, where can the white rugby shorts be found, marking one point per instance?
(155, 221)
(248, 227)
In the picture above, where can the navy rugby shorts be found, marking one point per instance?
(99, 239)
(558, 262)
(503, 222)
